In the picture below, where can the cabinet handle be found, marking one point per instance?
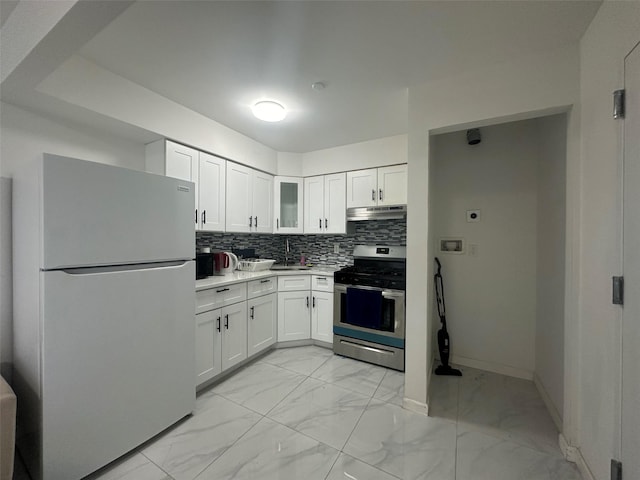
(222, 290)
(196, 216)
(256, 222)
(326, 224)
(265, 281)
(314, 302)
(204, 217)
(320, 223)
(373, 194)
(321, 278)
(277, 224)
(307, 302)
(218, 327)
(250, 222)
(252, 312)
(226, 322)
(380, 194)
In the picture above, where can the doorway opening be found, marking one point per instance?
(502, 202)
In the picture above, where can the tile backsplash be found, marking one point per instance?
(318, 249)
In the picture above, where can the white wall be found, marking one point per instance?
(612, 34)
(357, 156)
(85, 84)
(25, 136)
(551, 140)
(523, 88)
(490, 296)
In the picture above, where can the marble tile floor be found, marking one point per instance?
(303, 413)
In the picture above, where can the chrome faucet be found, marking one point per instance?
(287, 251)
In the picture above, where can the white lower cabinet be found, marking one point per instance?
(293, 316)
(261, 323)
(322, 308)
(234, 334)
(322, 316)
(208, 344)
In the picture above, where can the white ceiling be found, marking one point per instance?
(218, 57)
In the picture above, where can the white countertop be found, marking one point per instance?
(241, 276)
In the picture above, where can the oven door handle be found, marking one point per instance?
(386, 292)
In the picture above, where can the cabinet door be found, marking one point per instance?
(182, 162)
(211, 185)
(314, 204)
(261, 324)
(335, 207)
(362, 186)
(234, 334)
(208, 343)
(287, 205)
(262, 202)
(294, 316)
(392, 185)
(239, 197)
(322, 316)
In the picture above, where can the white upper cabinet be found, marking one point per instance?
(392, 185)
(249, 200)
(362, 186)
(287, 205)
(262, 202)
(325, 204)
(211, 188)
(377, 186)
(206, 171)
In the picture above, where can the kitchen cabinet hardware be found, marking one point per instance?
(380, 194)
(321, 278)
(320, 223)
(256, 221)
(326, 224)
(314, 301)
(251, 315)
(196, 216)
(222, 290)
(204, 217)
(218, 324)
(265, 281)
(250, 222)
(307, 302)
(373, 195)
(226, 321)
(277, 224)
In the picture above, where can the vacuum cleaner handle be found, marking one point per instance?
(439, 266)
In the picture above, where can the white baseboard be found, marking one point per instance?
(551, 408)
(414, 406)
(574, 455)
(492, 367)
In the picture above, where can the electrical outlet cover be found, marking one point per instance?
(473, 216)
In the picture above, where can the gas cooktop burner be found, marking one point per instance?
(375, 266)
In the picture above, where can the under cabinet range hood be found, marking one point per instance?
(356, 214)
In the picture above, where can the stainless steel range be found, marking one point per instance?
(369, 306)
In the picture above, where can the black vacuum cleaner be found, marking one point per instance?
(443, 336)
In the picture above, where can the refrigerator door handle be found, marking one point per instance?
(120, 268)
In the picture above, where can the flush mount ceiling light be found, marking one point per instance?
(269, 111)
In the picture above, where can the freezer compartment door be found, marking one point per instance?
(118, 362)
(95, 214)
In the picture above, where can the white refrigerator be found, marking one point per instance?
(104, 304)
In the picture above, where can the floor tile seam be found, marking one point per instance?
(284, 398)
(506, 436)
(229, 447)
(355, 426)
(158, 466)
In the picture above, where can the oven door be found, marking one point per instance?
(369, 313)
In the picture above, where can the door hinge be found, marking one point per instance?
(618, 103)
(616, 470)
(618, 291)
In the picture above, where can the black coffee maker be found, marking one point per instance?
(204, 263)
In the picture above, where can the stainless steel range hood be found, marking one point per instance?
(356, 214)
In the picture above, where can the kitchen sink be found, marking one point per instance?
(289, 267)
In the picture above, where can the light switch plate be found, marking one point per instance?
(473, 216)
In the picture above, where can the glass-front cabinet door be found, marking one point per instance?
(288, 205)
